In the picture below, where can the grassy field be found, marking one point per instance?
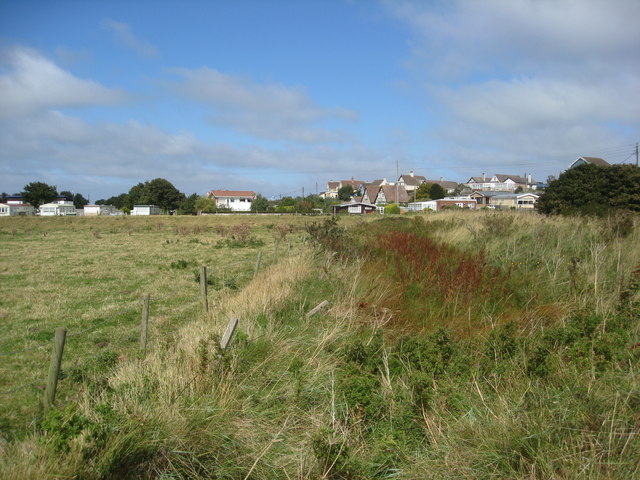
(89, 275)
(455, 345)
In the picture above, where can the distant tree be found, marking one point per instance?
(422, 193)
(305, 206)
(162, 193)
(287, 202)
(67, 195)
(119, 201)
(519, 189)
(593, 190)
(392, 209)
(345, 193)
(436, 192)
(188, 205)
(260, 204)
(205, 204)
(135, 196)
(38, 193)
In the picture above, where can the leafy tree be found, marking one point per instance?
(519, 189)
(345, 193)
(436, 192)
(286, 202)
(135, 196)
(393, 209)
(188, 205)
(260, 204)
(422, 193)
(593, 190)
(38, 193)
(205, 204)
(119, 201)
(162, 193)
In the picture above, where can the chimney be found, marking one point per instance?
(484, 179)
(442, 179)
(529, 179)
(411, 173)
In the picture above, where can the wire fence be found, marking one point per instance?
(117, 317)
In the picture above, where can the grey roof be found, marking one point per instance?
(595, 161)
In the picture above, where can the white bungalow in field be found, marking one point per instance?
(96, 210)
(146, 210)
(235, 200)
(16, 209)
(58, 209)
(447, 202)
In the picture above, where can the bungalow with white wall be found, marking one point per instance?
(96, 210)
(146, 210)
(235, 200)
(443, 203)
(514, 200)
(62, 208)
(16, 209)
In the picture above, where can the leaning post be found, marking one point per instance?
(203, 288)
(54, 367)
(144, 325)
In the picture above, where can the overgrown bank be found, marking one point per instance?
(440, 357)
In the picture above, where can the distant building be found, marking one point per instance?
(448, 202)
(589, 160)
(354, 208)
(235, 200)
(16, 209)
(96, 210)
(58, 209)
(146, 210)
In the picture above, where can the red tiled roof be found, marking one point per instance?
(232, 193)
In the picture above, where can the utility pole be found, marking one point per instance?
(636, 154)
(397, 177)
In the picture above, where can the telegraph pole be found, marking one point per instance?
(636, 154)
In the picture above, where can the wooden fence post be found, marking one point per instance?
(144, 326)
(203, 288)
(231, 328)
(255, 271)
(317, 308)
(54, 367)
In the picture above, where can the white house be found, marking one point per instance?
(146, 210)
(447, 202)
(95, 210)
(16, 209)
(235, 200)
(58, 209)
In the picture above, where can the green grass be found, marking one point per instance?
(541, 384)
(84, 273)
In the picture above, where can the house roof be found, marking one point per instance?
(232, 193)
(354, 183)
(390, 194)
(595, 161)
(371, 191)
(516, 178)
(479, 180)
(446, 184)
(484, 193)
(333, 185)
(412, 180)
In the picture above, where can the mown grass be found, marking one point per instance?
(541, 381)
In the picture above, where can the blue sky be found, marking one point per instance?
(276, 96)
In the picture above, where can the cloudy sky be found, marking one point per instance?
(276, 96)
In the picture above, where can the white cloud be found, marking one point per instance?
(525, 80)
(107, 158)
(30, 83)
(124, 36)
(265, 111)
